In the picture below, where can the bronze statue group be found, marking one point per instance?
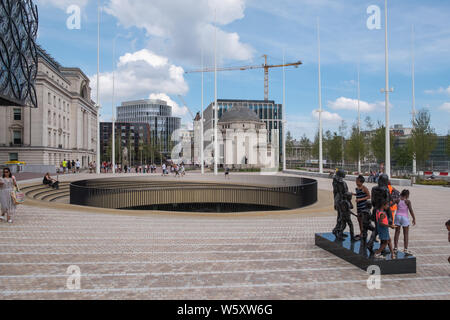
(375, 216)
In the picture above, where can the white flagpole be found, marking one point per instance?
(386, 91)
(202, 142)
(98, 90)
(113, 152)
(414, 93)
(216, 146)
(320, 104)
(284, 112)
(359, 116)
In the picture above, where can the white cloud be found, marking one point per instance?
(181, 28)
(445, 107)
(139, 74)
(439, 91)
(327, 116)
(344, 103)
(62, 4)
(177, 111)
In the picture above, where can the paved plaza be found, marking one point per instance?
(156, 256)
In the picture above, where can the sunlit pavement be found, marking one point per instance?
(201, 257)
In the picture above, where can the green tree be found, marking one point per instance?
(335, 148)
(403, 155)
(423, 139)
(356, 148)
(378, 143)
(289, 144)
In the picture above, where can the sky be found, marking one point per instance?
(157, 41)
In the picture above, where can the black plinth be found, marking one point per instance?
(359, 256)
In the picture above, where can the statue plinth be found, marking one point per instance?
(358, 255)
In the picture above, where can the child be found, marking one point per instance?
(362, 196)
(402, 220)
(383, 231)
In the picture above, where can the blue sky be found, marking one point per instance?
(158, 40)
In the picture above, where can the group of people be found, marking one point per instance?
(374, 176)
(173, 168)
(391, 210)
(69, 166)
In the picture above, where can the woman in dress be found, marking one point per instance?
(7, 184)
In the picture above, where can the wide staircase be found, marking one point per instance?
(41, 192)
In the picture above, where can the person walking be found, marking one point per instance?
(402, 221)
(78, 166)
(7, 184)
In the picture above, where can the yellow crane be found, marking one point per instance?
(265, 66)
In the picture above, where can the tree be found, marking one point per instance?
(306, 145)
(335, 148)
(289, 144)
(403, 156)
(369, 123)
(378, 143)
(423, 139)
(356, 148)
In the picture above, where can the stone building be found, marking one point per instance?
(63, 126)
(243, 140)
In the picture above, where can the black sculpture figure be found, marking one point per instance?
(367, 222)
(380, 194)
(345, 207)
(340, 188)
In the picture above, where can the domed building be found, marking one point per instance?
(244, 138)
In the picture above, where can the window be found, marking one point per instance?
(49, 98)
(49, 118)
(17, 114)
(17, 136)
(13, 157)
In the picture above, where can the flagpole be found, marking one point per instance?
(414, 94)
(202, 142)
(216, 146)
(98, 90)
(320, 103)
(113, 153)
(386, 92)
(359, 117)
(284, 112)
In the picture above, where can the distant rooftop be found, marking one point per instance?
(144, 101)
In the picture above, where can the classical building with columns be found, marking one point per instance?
(63, 126)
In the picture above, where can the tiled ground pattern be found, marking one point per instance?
(159, 257)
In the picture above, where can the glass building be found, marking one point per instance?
(157, 114)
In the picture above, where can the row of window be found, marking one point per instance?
(63, 123)
(65, 105)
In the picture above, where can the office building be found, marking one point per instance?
(158, 114)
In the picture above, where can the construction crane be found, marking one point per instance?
(185, 104)
(265, 66)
